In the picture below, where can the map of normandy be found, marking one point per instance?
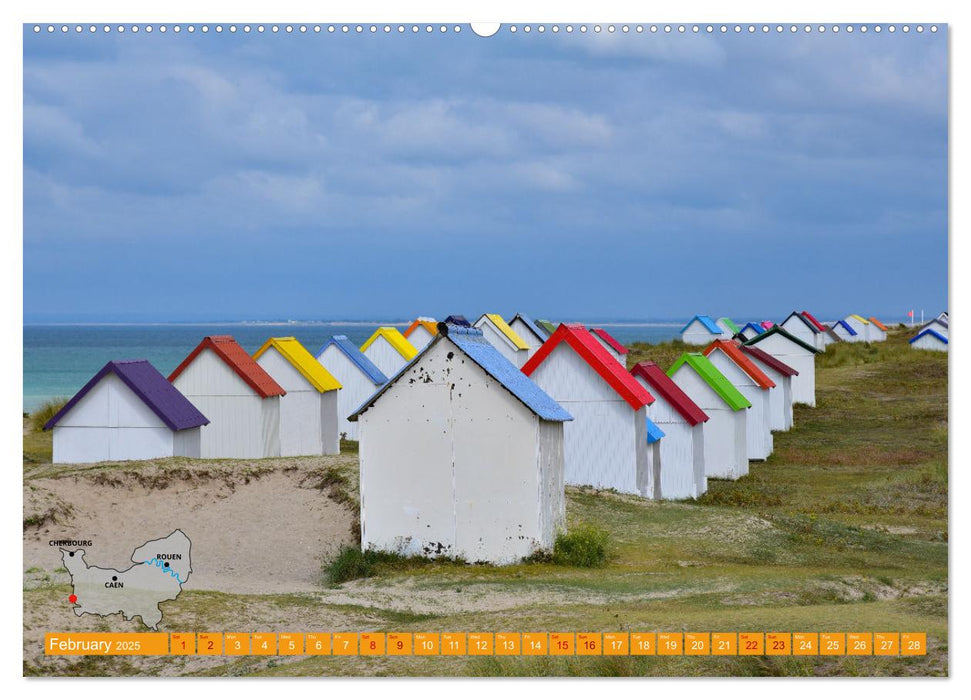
(160, 569)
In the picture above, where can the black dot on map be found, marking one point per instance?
(70, 554)
(166, 565)
(114, 578)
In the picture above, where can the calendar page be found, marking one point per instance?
(437, 348)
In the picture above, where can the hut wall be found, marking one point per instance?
(241, 424)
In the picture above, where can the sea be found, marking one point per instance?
(60, 359)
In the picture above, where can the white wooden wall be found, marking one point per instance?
(927, 342)
(801, 360)
(301, 431)
(621, 359)
(465, 471)
(780, 397)
(420, 337)
(862, 334)
(241, 424)
(387, 359)
(682, 471)
(726, 456)
(356, 387)
(845, 334)
(600, 444)
(759, 434)
(111, 423)
(800, 330)
(524, 332)
(500, 342)
(697, 334)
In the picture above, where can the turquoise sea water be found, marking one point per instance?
(60, 359)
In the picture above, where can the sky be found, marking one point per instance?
(204, 177)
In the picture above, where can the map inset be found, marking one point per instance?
(161, 567)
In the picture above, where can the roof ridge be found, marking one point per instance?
(245, 367)
(596, 356)
(664, 386)
(713, 378)
(730, 348)
(293, 351)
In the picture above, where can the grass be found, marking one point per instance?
(351, 563)
(45, 412)
(585, 545)
(843, 528)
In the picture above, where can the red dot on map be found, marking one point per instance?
(73, 598)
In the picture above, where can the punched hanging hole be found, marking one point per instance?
(485, 29)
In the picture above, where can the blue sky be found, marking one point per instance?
(235, 177)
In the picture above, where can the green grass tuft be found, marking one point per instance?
(585, 546)
(352, 563)
(45, 412)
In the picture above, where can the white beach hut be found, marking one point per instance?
(754, 385)
(878, 331)
(749, 331)
(388, 350)
(937, 325)
(846, 332)
(240, 399)
(358, 376)
(798, 354)
(611, 345)
(529, 331)
(308, 411)
(799, 326)
(497, 332)
(421, 331)
(682, 451)
(726, 453)
(728, 327)
(861, 326)
(928, 339)
(606, 444)
(780, 396)
(127, 411)
(700, 330)
(461, 455)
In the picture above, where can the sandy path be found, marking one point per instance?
(269, 535)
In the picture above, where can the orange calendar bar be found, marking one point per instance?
(426, 644)
(805, 643)
(669, 643)
(508, 644)
(399, 644)
(724, 643)
(832, 644)
(183, 643)
(913, 643)
(643, 643)
(589, 644)
(886, 643)
(106, 644)
(481, 644)
(263, 644)
(317, 644)
(453, 644)
(210, 644)
(290, 644)
(751, 643)
(536, 644)
(562, 643)
(372, 643)
(235, 644)
(778, 643)
(859, 643)
(616, 644)
(697, 643)
(345, 643)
